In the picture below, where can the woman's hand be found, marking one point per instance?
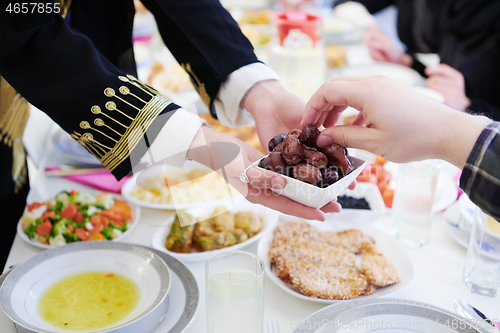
(449, 82)
(381, 49)
(394, 121)
(223, 147)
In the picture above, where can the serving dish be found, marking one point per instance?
(71, 149)
(313, 196)
(385, 244)
(23, 287)
(158, 171)
(371, 194)
(270, 218)
(399, 73)
(135, 212)
(387, 315)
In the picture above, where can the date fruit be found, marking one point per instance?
(276, 141)
(293, 150)
(330, 176)
(276, 163)
(307, 173)
(338, 156)
(310, 133)
(315, 158)
(279, 148)
(298, 134)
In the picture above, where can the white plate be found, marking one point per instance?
(386, 315)
(398, 73)
(384, 242)
(270, 220)
(156, 171)
(136, 214)
(24, 286)
(455, 224)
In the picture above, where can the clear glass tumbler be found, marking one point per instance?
(413, 201)
(482, 265)
(235, 293)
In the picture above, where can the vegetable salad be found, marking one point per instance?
(74, 217)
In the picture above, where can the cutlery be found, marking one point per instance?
(271, 328)
(470, 312)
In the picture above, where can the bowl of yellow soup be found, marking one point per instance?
(88, 287)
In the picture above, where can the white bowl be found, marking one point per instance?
(270, 219)
(21, 290)
(313, 196)
(135, 212)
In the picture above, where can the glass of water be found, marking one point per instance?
(235, 293)
(482, 265)
(413, 200)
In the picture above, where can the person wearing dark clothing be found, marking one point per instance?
(466, 36)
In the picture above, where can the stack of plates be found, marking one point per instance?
(160, 278)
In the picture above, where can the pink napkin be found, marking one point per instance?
(103, 180)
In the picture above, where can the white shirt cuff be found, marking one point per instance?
(355, 12)
(228, 101)
(175, 138)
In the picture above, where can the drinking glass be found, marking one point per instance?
(235, 293)
(413, 201)
(482, 265)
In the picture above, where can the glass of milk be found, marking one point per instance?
(413, 200)
(235, 293)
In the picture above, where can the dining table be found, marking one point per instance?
(438, 265)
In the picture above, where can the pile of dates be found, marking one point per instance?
(295, 155)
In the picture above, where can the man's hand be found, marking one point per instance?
(394, 121)
(449, 82)
(274, 109)
(381, 49)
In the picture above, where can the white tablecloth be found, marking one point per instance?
(438, 266)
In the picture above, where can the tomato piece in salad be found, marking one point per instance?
(69, 212)
(44, 229)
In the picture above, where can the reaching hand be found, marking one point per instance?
(381, 49)
(449, 82)
(261, 181)
(394, 122)
(274, 109)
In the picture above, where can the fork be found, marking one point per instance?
(271, 328)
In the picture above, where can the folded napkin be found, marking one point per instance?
(101, 180)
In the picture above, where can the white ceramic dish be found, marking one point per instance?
(387, 315)
(63, 142)
(371, 194)
(136, 214)
(313, 196)
(23, 287)
(159, 171)
(270, 220)
(401, 74)
(384, 242)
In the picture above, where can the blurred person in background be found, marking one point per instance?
(74, 61)
(466, 36)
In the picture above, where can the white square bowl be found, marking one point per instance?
(313, 196)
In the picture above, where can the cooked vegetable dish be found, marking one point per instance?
(222, 230)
